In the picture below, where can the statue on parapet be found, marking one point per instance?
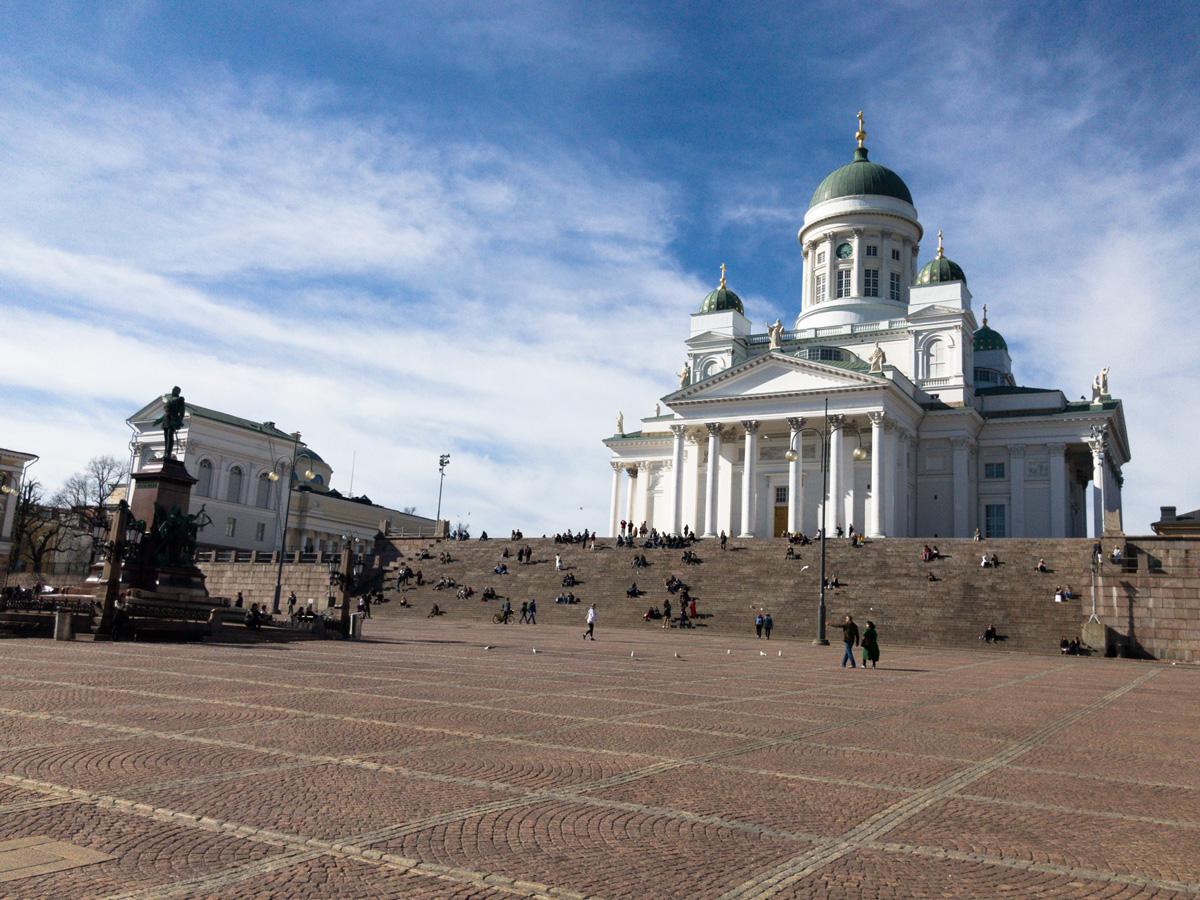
(775, 333)
(620, 423)
(877, 359)
(171, 420)
(685, 377)
(1104, 382)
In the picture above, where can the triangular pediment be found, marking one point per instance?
(770, 376)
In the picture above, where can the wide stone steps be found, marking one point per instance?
(885, 581)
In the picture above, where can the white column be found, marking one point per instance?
(615, 516)
(875, 527)
(795, 490)
(1058, 491)
(710, 496)
(1118, 505)
(893, 482)
(749, 471)
(833, 502)
(647, 482)
(631, 491)
(806, 284)
(1098, 486)
(830, 266)
(1016, 490)
(961, 524)
(676, 479)
(856, 270)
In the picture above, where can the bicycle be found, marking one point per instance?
(502, 618)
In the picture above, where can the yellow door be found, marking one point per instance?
(780, 520)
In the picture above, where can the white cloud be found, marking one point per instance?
(390, 300)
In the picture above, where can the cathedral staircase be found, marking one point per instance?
(885, 581)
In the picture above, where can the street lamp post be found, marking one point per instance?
(443, 461)
(791, 456)
(287, 508)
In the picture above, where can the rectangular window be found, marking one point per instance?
(821, 258)
(260, 532)
(894, 286)
(781, 496)
(230, 527)
(994, 525)
(993, 470)
(895, 254)
(872, 250)
(843, 283)
(870, 282)
(820, 289)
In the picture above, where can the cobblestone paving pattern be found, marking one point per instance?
(420, 764)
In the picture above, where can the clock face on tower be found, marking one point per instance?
(845, 251)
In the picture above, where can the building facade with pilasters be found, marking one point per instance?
(950, 443)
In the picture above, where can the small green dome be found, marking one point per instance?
(989, 339)
(940, 270)
(722, 299)
(860, 178)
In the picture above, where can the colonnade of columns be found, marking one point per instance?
(631, 481)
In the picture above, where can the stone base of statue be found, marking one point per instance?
(164, 590)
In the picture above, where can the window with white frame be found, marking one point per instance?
(262, 497)
(204, 482)
(843, 283)
(781, 496)
(872, 249)
(993, 470)
(994, 524)
(233, 491)
(819, 290)
(821, 258)
(870, 282)
(894, 285)
(895, 254)
(936, 364)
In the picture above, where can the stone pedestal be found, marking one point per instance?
(166, 484)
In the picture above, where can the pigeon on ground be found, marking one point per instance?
(488, 647)
(802, 568)
(535, 649)
(781, 653)
(631, 654)
(761, 653)
(677, 656)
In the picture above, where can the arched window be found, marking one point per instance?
(234, 492)
(204, 483)
(263, 498)
(936, 360)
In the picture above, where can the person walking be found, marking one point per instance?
(870, 644)
(291, 604)
(758, 625)
(524, 614)
(367, 605)
(767, 625)
(850, 638)
(532, 612)
(591, 623)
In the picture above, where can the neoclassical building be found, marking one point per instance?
(234, 460)
(929, 433)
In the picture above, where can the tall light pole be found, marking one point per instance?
(791, 456)
(287, 508)
(443, 461)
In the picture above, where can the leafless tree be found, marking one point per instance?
(86, 494)
(409, 510)
(40, 531)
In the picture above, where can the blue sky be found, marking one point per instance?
(414, 228)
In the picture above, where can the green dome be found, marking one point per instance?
(940, 270)
(721, 299)
(859, 178)
(988, 339)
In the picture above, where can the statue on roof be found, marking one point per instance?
(775, 333)
(685, 377)
(877, 359)
(171, 420)
(1104, 382)
(620, 423)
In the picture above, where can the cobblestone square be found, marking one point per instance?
(643, 765)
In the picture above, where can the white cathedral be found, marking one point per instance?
(888, 375)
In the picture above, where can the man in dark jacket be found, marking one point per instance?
(850, 637)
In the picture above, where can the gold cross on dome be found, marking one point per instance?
(722, 274)
(941, 252)
(985, 314)
(860, 135)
